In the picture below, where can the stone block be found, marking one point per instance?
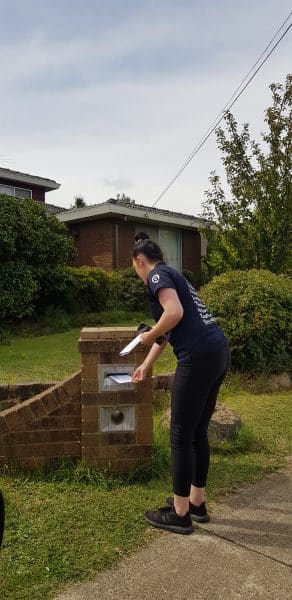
(89, 371)
(89, 426)
(135, 451)
(224, 424)
(3, 426)
(89, 399)
(50, 403)
(13, 419)
(144, 410)
(145, 437)
(89, 359)
(118, 437)
(90, 439)
(89, 413)
(89, 385)
(144, 423)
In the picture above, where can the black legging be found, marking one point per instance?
(194, 393)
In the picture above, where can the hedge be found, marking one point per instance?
(254, 310)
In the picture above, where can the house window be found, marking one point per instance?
(15, 191)
(169, 240)
(149, 230)
(170, 243)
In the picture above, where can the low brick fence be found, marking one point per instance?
(44, 428)
(13, 393)
(40, 423)
(61, 420)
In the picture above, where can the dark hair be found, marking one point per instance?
(143, 245)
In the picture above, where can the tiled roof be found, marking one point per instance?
(52, 209)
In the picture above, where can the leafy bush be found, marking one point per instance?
(33, 245)
(133, 295)
(86, 289)
(109, 318)
(115, 290)
(17, 290)
(254, 310)
(126, 291)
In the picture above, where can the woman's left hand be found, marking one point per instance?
(147, 338)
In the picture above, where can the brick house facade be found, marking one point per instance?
(104, 235)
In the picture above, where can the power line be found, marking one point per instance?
(235, 96)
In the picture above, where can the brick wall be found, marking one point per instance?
(108, 243)
(121, 450)
(38, 193)
(11, 394)
(44, 428)
(94, 242)
(191, 252)
(126, 235)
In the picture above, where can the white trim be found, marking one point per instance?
(14, 176)
(106, 209)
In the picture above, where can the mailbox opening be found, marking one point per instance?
(113, 378)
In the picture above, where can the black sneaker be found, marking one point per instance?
(166, 518)
(198, 513)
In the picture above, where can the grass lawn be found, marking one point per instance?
(53, 357)
(64, 526)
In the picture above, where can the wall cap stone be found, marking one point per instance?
(106, 333)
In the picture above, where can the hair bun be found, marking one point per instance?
(141, 236)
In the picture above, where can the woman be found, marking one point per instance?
(202, 356)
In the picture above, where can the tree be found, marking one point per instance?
(34, 246)
(124, 199)
(79, 202)
(253, 223)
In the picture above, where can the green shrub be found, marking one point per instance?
(127, 291)
(86, 289)
(33, 245)
(115, 290)
(109, 318)
(17, 290)
(254, 310)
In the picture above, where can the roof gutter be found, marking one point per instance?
(107, 209)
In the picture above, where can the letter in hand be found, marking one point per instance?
(139, 374)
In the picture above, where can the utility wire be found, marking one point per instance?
(235, 96)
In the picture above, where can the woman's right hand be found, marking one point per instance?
(139, 374)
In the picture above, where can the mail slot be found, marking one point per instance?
(110, 378)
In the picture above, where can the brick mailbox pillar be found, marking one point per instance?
(117, 419)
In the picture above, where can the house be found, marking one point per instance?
(24, 185)
(104, 234)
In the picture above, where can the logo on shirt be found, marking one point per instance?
(155, 278)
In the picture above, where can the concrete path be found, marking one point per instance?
(244, 553)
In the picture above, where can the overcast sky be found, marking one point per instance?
(110, 96)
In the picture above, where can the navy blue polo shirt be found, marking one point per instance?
(197, 332)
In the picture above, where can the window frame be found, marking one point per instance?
(13, 187)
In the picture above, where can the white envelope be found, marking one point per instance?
(131, 345)
(121, 378)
